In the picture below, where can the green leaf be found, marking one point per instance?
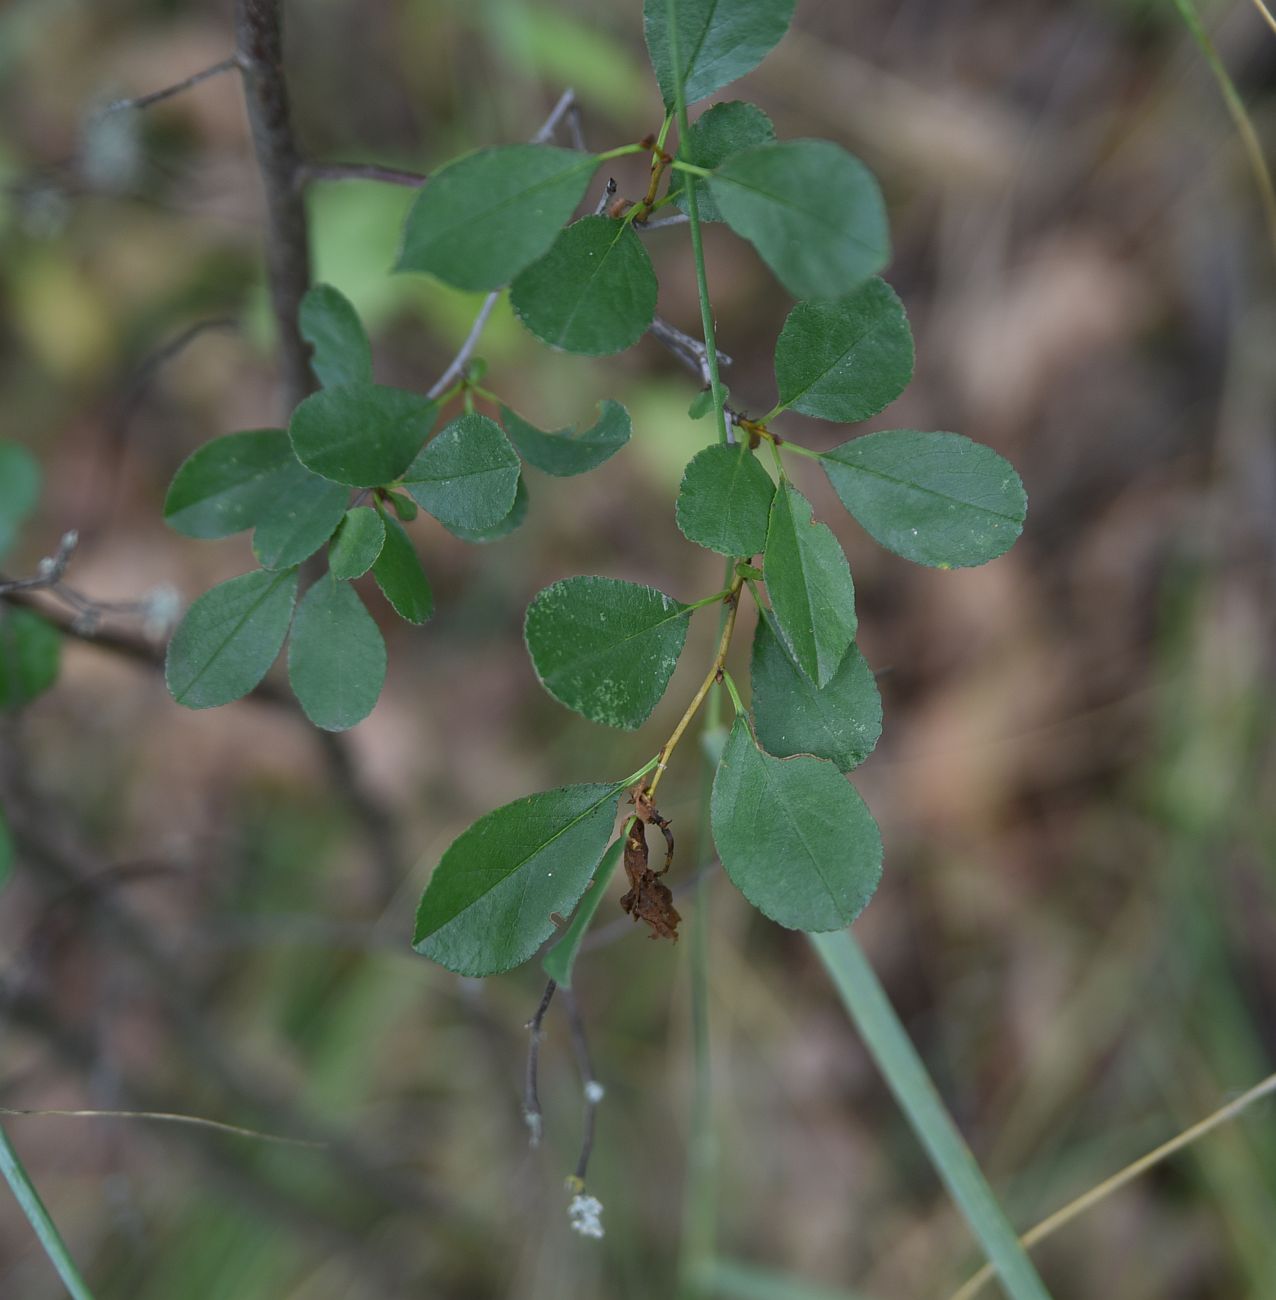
(606, 648)
(847, 358)
(481, 219)
(702, 402)
(336, 657)
(934, 498)
(30, 652)
(566, 452)
(301, 513)
(467, 475)
(841, 722)
(561, 958)
(227, 484)
(594, 292)
(329, 323)
(811, 210)
(404, 507)
(807, 577)
(725, 500)
(229, 638)
(356, 544)
(488, 905)
(362, 435)
(716, 134)
(794, 836)
(717, 41)
(515, 519)
(19, 489)
(399, 575)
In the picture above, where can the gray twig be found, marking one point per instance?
(678, 219)
(689, 350)
(532, 1116)
(155, 96)
(566, 104)
(609, 193)
(592, 1089)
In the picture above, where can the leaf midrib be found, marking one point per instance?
(919, 487)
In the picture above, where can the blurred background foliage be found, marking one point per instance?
(1075, 782)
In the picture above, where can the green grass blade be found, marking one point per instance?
(733, 1279)
(866, 1002)
(45, 1229)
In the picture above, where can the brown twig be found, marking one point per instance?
(155, 96)
(532, 1115)
(358, 171)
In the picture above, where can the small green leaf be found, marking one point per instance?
(19, 489)
(515, 519)
(934, 498)
(336, 657)
(481, 219)
(229, 638)
(467, 475)
(594, 292)
(566, 452)
(362, 435)
(725, 500)
(226, 485)
(809, 582)
(399, 575)
(794, 836)
(842, 722)
(606, 648)
(561, 958)
(300, 514)
(811, 210)
(717, 41)
(329, 323)
(356, 543)
(30, 652)
(490, 902)
(404, 507)
(716, 134)
(847, 358)
(702, 402)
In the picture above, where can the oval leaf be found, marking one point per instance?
(715, 135)
(229, 638)
(336, 657)
(847, 358)
(340, 352)
(467, 476)
(809, 582)
(567, 452)
(717, 41)
(841, 722)
(19, 489)
(30, 652)
(794, 836)
(481, 219)
(490, 903)
(606, 648)
(227, 484)
(594, 292)
(811, 210)
(362, 435)
(934, 498)
(300, 514)
(357, 543)
(513, 520)
(725, 500)
(399, 575)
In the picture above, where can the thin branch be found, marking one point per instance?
(566, 105)
(259, 52)
(461, 360)
(678, 219)
(532, 1115)
(688, 349)
(609, 193)
(592, 1089)
(358, 171)
(155, 96)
